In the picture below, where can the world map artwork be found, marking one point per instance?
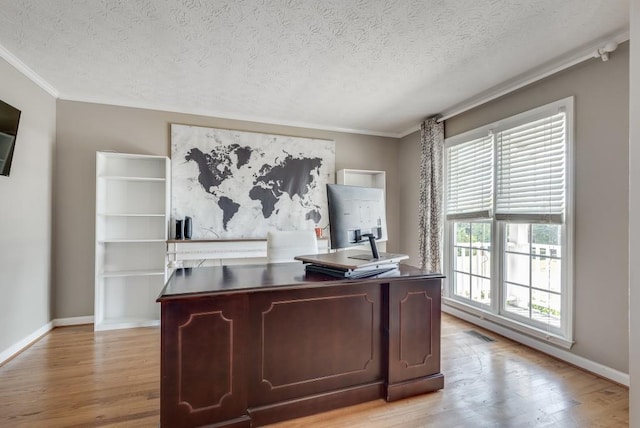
(241, 185)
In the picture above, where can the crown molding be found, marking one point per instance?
(38, 80)
(532, 76)
(409, 131)
(28, 72)
(222, 115)
(552, 67)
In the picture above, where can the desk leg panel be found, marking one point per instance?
(204, 361)
(413, 387)
(414, 334)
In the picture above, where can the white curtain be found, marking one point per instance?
(430, 216)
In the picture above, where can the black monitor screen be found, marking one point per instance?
(354, 213)
(9, 118)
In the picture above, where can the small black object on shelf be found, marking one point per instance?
(188, 227)
(178, 229)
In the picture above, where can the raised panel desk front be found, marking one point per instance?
(248, 345)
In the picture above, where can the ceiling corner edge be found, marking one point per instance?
(28, 72)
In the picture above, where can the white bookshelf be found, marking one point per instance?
(361, 177)
(132, 224)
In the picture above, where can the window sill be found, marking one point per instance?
(487, 320)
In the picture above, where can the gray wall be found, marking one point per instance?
(601, 91)
(25, 211)
(83, 128)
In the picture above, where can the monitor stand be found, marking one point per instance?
(374, 248)
(375, 254)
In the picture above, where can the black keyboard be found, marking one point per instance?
(349, 273)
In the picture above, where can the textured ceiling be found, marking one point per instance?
(377, 66)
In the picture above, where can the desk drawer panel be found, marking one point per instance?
(311, 341)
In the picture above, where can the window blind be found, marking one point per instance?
(470, 179)
(531, 171)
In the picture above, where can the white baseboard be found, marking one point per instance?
(584, 363)
(19, 346)
(24, 343)
(63, 322)
(571, 358)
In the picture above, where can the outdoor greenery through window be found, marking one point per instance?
(508, 222)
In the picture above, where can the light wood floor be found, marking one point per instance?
(74, 377)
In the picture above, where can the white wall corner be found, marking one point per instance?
(634, 216)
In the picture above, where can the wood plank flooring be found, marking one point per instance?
(73, 377)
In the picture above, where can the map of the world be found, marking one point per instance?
(236, 184)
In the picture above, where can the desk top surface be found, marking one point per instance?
(202, 281)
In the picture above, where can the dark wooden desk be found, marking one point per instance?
(249, 345)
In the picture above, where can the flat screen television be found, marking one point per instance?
(9, 119)
(357, 215)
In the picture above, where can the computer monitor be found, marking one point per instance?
(357, 215)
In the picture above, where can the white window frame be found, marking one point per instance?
(494, 313)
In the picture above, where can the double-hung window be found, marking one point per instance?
(508, 239)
